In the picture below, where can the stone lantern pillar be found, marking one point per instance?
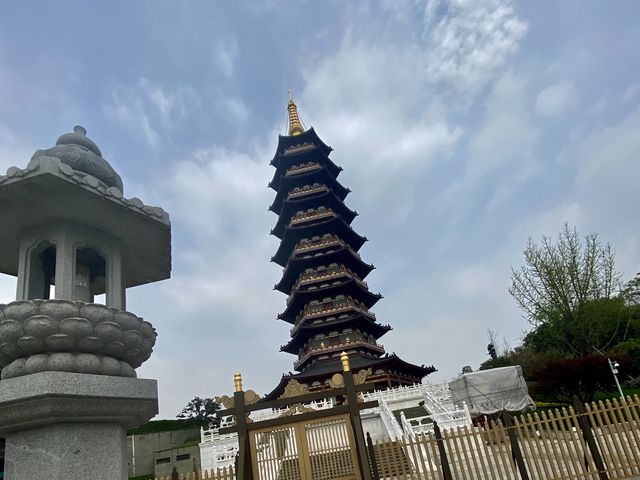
(69, 389)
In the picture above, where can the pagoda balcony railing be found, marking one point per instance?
(306, 190)
(324, 275)
(300, 147)
(323, 242)
(306, 216)
(315, 244)
(298, 169)
(332, 307)
(335, 348)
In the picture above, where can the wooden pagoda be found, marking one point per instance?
(328, 302)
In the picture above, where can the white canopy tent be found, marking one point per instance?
(492, 391)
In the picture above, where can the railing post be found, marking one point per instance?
(372, 458)
(354, 414)
(515, 446)
(244, 457)
(444, 462)
(587, 434)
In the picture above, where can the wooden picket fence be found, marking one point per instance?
(219, 474)
(595, 441)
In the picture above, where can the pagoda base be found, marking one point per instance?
(71, 426)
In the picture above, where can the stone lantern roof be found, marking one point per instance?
(83, 155)
(71, 182)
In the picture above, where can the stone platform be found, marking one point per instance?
(71, 426)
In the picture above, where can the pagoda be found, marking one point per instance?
(329, 302)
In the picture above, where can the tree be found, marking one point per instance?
(562, 378)
(202, 411)
(570, 292)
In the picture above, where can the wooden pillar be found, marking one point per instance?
(243, 471)
(354, 415)
(515, 446)
(587, 434)
(444, 461)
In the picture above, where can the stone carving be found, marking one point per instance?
(81, 154)
(360, 377)
(336, 381)
(250, 397)
(71, 336)
(295, 409)
(225, 400)
(294, 389)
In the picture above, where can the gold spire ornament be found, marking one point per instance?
(295, 124)
(344, 358)
(237, 380)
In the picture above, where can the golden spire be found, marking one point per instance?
(295, 125)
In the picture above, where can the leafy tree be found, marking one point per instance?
(631, 291)
(570, 292)
(562, 378)
(202, 411)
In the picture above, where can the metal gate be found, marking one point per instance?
(322, 449)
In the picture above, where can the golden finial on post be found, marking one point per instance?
(344, 358)
(295, 124)
(237, 379)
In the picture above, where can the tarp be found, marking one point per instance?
(491, 391)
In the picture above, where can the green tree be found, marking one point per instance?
(570, 292)
(202, 411)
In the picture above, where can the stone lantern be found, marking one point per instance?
(69, 389)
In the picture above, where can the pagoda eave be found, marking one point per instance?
(351, 287)
(334, 225)
(286, 141)
(344, 256)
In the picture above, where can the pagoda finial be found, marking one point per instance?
(295, 124)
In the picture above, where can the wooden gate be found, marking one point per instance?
(322, 449)
(325, 444)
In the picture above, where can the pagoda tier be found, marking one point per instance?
(386, 372)
(317, 223)
(338, 323)
(312, 176)
(288, 144)
(308, 267)
(328, 300)
(350, 287)
(300, 163)
(296, 208)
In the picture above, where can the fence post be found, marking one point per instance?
(587, 434)
(515, 446)
(372, 458)
(354, 414)
(243, 471)
(444, 462)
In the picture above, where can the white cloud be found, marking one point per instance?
(556, 99)
(225, 53)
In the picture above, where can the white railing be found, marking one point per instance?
(389, 420)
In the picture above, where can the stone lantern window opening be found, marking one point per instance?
(90, 276)
(42, 271)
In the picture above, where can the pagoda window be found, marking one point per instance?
(42, 271)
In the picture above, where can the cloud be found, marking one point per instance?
(150, 108)
(225, 53)
(556, 99)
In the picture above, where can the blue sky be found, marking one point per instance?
(463, 128)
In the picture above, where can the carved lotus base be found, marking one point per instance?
(69, 336)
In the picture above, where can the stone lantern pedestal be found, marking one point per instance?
(71, 426)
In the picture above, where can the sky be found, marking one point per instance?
(464, 127)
